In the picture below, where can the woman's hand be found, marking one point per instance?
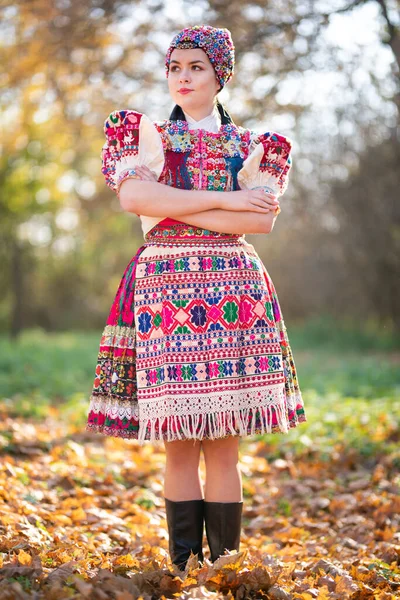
(145, 174)
(250, 200)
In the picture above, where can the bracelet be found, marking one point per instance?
(125, 174)
(266, 189)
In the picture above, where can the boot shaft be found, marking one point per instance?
(185, 521)
(223, 526)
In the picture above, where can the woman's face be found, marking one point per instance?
(191, 68)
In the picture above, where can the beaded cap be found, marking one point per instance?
(215, 41)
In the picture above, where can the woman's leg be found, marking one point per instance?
(223, 495)
(184, 503)
(182, 479)
(223, 476)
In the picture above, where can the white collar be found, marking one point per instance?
(211, 122)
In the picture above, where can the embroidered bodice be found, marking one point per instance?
(185, 155)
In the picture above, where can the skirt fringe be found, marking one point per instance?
(262, 419)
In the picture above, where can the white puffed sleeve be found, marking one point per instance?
(267, 164)
(131, 140)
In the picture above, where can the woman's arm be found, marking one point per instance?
(229, 221)
(155, 199)
(145, 196)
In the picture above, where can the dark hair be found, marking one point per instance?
(177, 114)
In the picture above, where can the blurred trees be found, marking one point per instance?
(368, 209)
(299, 70)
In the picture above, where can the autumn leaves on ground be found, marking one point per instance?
(82, 515)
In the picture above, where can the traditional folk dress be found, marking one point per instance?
(195, 345)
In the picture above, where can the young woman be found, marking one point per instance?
(195, 351)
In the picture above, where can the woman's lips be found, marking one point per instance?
(185, 91)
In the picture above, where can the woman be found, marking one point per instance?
(195, 351)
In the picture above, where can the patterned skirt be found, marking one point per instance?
(195, 345)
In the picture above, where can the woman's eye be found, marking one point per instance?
(194, 66)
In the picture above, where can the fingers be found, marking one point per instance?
(266, 204)
(268, 200)
(261, 208)
(141, 172)
(145, 173)
(145, 169)
(271, 198)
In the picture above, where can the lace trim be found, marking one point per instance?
(114, 408)
(176, 417)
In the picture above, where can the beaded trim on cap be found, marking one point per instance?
(215, 41)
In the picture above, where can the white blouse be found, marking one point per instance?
(211, 122)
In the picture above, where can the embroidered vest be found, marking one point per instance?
(196, 159)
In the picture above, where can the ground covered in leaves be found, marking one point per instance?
(83, 516)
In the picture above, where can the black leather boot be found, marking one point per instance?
(223, 522)
(185, 521)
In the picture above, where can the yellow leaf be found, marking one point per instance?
(60, 519)
(127, 561)
(24, 558)
(78, 514)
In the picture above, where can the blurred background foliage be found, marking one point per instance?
(324, 73)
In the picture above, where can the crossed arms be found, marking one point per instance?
(201, 208)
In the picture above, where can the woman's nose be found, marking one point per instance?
(184, 77)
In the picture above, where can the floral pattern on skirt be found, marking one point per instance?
(195, 344)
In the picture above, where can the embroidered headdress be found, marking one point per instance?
(215, 41)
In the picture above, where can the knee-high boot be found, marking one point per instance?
(223, 526)
(185, 521)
